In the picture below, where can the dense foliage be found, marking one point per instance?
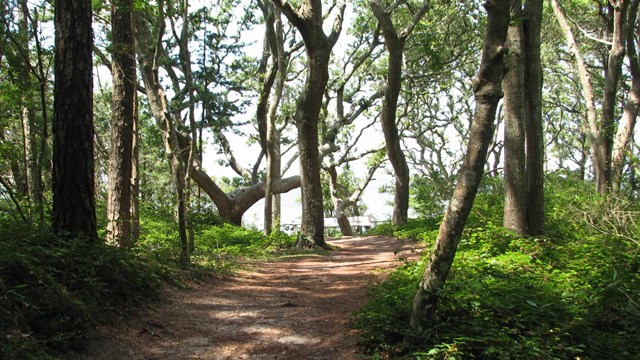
(573, 293)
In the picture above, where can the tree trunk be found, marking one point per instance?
(343, 222)
(308, 19)
(611, 78)
(231, 206)
(599, 163)
(123, 67)
(487, 92)
(394, 43)
(135, 174)
(515, 200)
(533, 115)
(74, 209)
(274, 46)
(338, 204)
(32, 168)
(160, 108)
(630, 112)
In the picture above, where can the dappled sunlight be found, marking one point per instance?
(293, 308)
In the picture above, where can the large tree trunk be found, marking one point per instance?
(123, 70)
(488, 92)
(308, 19)
(74, 209)
(630, 112)
(307, 115)
(515, 199)
(394, 43)
(533, 113)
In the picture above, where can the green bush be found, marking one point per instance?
(423, 229)
(574, 293)
(235, 240)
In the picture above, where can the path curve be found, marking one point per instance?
(298, 308)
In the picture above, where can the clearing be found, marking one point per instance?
(295, 308)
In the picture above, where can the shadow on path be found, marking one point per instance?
(297, 308)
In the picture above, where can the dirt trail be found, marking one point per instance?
(298, 308)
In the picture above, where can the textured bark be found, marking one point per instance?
(73, 168)
(630, 112)
(515, 199)
(394, 43)
(611, 79)
(533, 101)
(123, 69)
(487, 92)
(308, 19)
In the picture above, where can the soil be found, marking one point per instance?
(296, 308)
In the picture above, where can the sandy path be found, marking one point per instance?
(298, 308)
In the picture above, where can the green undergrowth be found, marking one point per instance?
(217, 247)
(54, 292)
(574, 293)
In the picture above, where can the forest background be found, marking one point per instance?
(189, 94)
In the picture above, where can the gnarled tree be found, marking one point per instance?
(308, 19)
(487, 92)
(394, 42)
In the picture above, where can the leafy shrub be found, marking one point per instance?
(415, 229)
(574, 293)
(235, 240)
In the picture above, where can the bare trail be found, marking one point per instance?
(298, 308)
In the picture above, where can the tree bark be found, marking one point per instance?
(160, 108)
(533, 117)
(515, 199)
(73, 168)
(611, 78)
(308, 19)
(394, 43)
(487, 92)
(630, 112)
(123, 69)
(267, 108)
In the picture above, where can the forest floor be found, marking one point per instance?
(297, 307)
